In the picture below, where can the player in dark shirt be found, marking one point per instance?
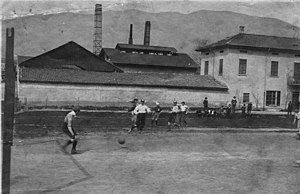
(156, 112)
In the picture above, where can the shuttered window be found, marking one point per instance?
(221, 67)
(206, 68)
(242, 66)
(274, 68)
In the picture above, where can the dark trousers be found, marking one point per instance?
(172, 118)
(233, 108)
(182, 118)
(73, 140)
(141, 120)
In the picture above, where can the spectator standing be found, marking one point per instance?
(141, 111)
(249, 108)
(221, 111)
(243, 108)
(290, 108)
(228, 110)
(205, 105)
(233, 104)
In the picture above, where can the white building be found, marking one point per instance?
(264, 70)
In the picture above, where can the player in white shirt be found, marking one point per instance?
(141, 111)
(69, 130)
(134, 116)
(175, 110)
(297, 121)
(183, 113)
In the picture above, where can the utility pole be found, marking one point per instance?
(9, 109)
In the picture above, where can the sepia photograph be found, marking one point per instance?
(150, 97)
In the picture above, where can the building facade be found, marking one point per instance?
(264, 70)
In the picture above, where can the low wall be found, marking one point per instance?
(40, 123)
(33, 94)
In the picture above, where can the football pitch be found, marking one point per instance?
(159, 163)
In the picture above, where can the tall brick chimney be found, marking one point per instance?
(147, 33)
(130, 41)
(97, 29)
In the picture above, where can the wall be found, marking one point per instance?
(254, 82)
(92, 95)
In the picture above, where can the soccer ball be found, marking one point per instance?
(121, 140)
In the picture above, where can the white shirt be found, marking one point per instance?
(141, 109)
(184, 108)
(297, 116)
(69, 117)
(175, 109)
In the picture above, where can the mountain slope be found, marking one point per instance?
(288, 11)
(39, 33)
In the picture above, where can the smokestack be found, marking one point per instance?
(98, 29)
(242, 29)
(147, 33)
(130, 41)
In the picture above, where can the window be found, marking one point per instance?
(274, 68)
(246, 97)
(273, 98)
(242, 66)
(221, 67)
(222, 51)
(206, 68)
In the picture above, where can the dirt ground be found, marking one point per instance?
(158, 163)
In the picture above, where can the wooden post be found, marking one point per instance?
(9, 106)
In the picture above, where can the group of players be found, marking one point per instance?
(177, 117)
(139, 110)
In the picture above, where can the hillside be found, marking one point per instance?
(39, 33)
(288, 11)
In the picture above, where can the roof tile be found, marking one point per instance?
(70, 55)
(176, 60)
(70, 76)
(256, 41)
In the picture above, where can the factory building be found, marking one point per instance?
(62, 87)
(148, 58)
